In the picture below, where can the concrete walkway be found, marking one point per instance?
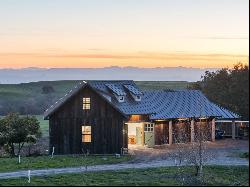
(112, 167)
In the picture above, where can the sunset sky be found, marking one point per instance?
(142, 33)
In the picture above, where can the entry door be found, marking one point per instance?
(149, 134)
(138, 135)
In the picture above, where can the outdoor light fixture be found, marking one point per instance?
(160, 120)
(203, 118)
(181, 119)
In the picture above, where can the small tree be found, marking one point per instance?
(3, 133)
(194, 153)
(18, 130)
(198, 154)
(31, 131)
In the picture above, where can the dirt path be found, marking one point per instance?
(112, 167)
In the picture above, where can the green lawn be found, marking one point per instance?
(169, 176)
(162, 85)
(42, 162)
(44, 125)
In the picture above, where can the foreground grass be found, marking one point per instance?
(43, 162)
(172, 176)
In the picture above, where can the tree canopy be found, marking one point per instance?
(16, 130)
(228, 87)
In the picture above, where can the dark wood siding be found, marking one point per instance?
(181, 131)
(161, 132)
(204, 127)
(105, 121)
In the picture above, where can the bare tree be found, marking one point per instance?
(194, 153)
(198, 154)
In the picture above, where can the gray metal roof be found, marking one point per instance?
(161, 104)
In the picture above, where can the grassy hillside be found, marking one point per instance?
(160, 85)
(29, 98)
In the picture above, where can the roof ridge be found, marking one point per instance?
(109, 80)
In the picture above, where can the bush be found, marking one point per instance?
(244, 155)
(47, 89)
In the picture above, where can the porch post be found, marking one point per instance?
(233, 129)
(192, 130)
(213, 129)
(170, 132)
(143, 135)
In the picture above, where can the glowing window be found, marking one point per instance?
(86, 134)
(86, 103)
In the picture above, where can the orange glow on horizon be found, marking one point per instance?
(139, 59)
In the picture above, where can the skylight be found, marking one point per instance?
(116, 90)
(134, 92)
(133, 89)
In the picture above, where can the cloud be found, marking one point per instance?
(139, 59)
(223, 38)
(123, 56)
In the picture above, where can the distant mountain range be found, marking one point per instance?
(15, 76)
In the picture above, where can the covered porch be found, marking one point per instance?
(234, 128)
(183, 130)
(141, 132)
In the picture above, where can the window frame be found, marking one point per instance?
(148, 127)
(86, 103)
(86, 133)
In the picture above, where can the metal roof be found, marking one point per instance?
(160, 104)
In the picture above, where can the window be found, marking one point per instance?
(86, 134)
(149, 127)
(86, 103)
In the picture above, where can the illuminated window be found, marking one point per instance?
(149, 127)
(86, 134)
(86, 103)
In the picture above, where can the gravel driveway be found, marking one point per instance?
(224, 151)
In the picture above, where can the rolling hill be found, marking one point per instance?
(35, 97)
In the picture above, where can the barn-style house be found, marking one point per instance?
(105, 117)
